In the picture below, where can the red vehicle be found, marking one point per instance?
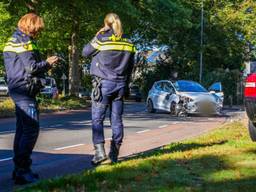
(250, 103)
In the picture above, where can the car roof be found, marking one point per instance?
(189, 81)
(163, 81)
(174, 81)
(168, 81)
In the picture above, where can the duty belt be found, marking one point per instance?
(96, 90)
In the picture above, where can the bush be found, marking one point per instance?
(6, 108)
(68, 102)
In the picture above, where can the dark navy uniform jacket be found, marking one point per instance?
(21, 59)
(113, 57)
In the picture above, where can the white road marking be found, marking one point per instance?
(6, 159)
(146, 130)
(3, 132)
(180, 122)
(80, 122)
(66, 147)
(162, 126)
(58, 125)
(43, 127)
(47, 129)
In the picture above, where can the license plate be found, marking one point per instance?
(206, 108)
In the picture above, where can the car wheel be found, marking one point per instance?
(173, 110)
(150, 106)
(252, 130)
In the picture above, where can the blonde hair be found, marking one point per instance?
(31, 24)
(113, 21)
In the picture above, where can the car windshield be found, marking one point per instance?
(2, 83)
(189, 86)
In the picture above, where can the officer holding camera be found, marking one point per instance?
(25, 72)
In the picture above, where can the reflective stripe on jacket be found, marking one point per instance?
(21, 59)
(113, 57)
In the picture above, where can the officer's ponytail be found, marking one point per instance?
(113, 21)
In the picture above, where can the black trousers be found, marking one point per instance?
(112, 95)
(27, 131)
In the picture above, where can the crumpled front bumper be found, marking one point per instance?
(194, 108)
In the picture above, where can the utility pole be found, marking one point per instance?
(201, 42)
(64, 78)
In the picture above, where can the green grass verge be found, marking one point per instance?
(7, 108)
(64, 103)
(223, 160)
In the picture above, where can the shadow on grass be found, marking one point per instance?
(154, 174)
(205, 173)
(175, 147)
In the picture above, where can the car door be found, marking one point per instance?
(171, 96)
(166, 96)
(161, 96)
(216, 88)
(154, 94)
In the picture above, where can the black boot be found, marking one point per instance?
(24, 176)
(100, 154)
(114, 152)
(14, 173)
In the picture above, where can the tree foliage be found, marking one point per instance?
(229, 35)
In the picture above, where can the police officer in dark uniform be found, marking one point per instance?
(25, 72)
(111, 67)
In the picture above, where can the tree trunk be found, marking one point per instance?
(74, 75)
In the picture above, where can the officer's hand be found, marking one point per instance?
(52, 60)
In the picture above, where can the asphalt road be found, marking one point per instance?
(66, 130)
(63, 130)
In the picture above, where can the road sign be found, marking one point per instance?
(64, 77)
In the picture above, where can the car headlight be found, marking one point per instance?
(217, 99)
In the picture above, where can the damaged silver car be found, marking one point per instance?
(183, 97)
